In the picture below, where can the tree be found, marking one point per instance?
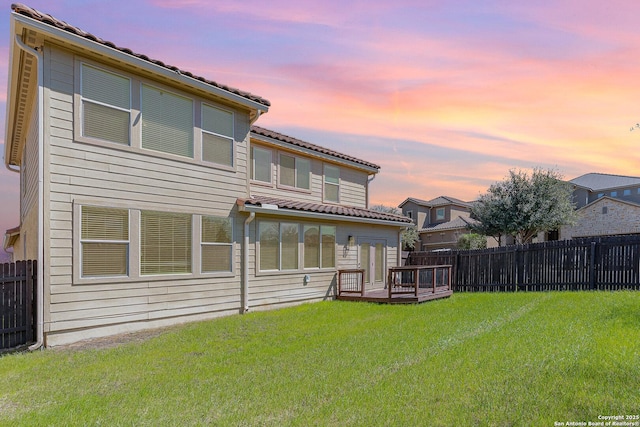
(523, 205)
(409, 235)
(472, 241)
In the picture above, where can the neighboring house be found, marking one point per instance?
(149, 199)
(606, 205)
(440, 221)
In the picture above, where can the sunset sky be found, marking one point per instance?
(446, 96)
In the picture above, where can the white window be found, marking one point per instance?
(269, 235)
(295, 172)
(104, 242)
(216, 244)
(261, 164)
(328, 246)
(106, 105)
(439, 214)
(217, 135)
(319, 246)
(165, 243)
(167, 122)
(331, 183)
(288, 246)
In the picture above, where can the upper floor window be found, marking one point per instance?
(295, 172)
(626, 192)
(167, 122)
(331, 183)
(216, 244)
(217, 135)
(439, 214)
(614, 194)
(106, 105)
(600, 195)
(260, 164)
(104, 242)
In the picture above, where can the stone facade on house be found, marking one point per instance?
(605, 217)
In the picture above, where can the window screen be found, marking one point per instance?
(216, 244)
(104, 241)
(167, 122)
(165, 243)
(217, 135)
(106, 105)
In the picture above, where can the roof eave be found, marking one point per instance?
(245, 207)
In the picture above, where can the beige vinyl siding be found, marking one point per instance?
(267, 289)
(353, 183)
(80, 173)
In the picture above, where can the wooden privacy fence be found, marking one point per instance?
(610, 263)
(17, 297)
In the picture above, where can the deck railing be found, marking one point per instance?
(351, 281)
(416, 279)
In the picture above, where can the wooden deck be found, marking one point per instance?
(382, 296)
(405, 285)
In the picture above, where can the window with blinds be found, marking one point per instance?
(269, 235)
(331, 183)
(217, 135)
(319, 246)
(216, 244)
(167, 122)
(280, 246)
(104, 241)
(328, 243)
(295, 172)
(289, 246)
(260, 164)
(106, 105)
(165, 243)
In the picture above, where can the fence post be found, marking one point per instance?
(592, 267)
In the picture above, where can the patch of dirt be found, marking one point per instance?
(112, 340)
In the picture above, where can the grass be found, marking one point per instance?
(473, 359)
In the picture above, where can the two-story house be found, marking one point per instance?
(149, 198)
(606, 205)
(440, 221)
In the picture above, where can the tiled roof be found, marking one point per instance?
(603, 181)
(258, 131)
(325, 209)
(450, 225)
(56, 23)
(438, 201)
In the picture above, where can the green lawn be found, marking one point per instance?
(473, 359)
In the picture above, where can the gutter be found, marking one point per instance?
(245, 263)
(40, 269)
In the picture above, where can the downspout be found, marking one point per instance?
(40, 268)
(245, 244)
(245, 263)
(373, 176)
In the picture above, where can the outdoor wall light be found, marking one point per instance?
(352, 241)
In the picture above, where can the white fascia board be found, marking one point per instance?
(313, 153)
(67, 37)
(11, 94)
(320, 216)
